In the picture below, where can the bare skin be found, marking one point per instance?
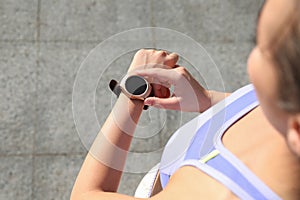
(268, 137)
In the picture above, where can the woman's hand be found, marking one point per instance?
(188, 94)
(150, 58)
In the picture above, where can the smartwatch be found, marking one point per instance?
(133, 86)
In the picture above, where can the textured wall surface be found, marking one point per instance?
(42, 44)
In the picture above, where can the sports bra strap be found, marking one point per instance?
(206, 152)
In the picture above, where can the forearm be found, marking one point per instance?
(216, 96)
(102, 168)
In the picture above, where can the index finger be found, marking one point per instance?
(161, 75)
(171, 60)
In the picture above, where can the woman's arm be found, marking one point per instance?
(109, 148)
(101, 171)
(216, 96)
(98, 181)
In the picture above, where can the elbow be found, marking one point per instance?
(94, 194)
(76, 195)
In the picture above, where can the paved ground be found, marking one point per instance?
(42, 44)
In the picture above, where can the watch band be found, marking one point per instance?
(115, 87)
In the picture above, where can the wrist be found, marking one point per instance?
(216, 96)
(205, 101)
(126, 103)
(126, 113)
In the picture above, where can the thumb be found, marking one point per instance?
(171, 103)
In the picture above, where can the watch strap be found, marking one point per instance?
(115, 87)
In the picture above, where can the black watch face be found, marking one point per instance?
(136, 85)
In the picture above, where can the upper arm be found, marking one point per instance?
(177, 188)
(187, 182)
(99, 195)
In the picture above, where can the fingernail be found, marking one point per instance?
(148, 103)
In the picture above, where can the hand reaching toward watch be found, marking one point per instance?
(160, 70)
(188, 94)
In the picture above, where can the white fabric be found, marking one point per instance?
(144, 189)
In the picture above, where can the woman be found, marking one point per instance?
(265, 138)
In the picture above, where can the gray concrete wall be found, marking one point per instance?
(42, 44)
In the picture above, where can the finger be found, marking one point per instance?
(158, 65)
(159, 84)
(157, 89)
(160, 91)
(171, 60)
(165, 77)
(166, 103)
(149, 66)
(162, 53)
(165, 92)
